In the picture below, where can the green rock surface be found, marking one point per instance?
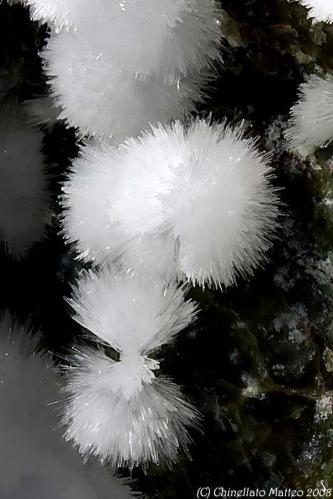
(258, 362)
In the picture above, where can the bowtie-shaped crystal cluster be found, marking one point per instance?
(154, 198)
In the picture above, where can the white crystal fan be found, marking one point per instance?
(120, 411)
(197, 203)
(322, 10)
(311, 122)
(146, 37)
(60, 13)
(103, 100)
